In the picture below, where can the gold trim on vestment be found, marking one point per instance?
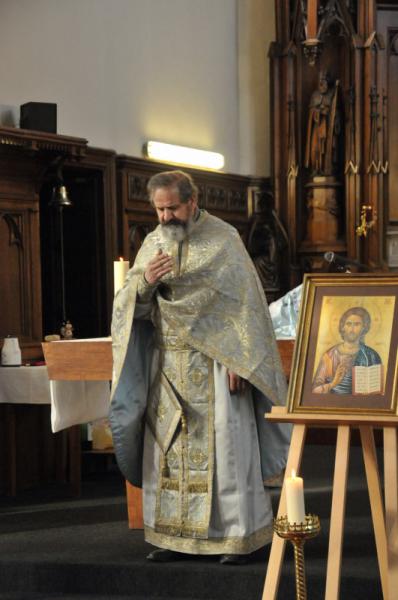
(228, 545)
(184, 255)
(171, 342)
(199, 487)
(163, 412)
(185, 482)
(170, 484)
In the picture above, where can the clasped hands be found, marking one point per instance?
(158, 266)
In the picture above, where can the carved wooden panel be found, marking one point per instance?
(37, 142)
(392, 69)
(14, 319)
(20, 294)
(388, 27)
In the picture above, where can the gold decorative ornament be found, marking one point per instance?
(161, 411)
(298, 533)
(368, 220)
(197, 376)
(197, 457)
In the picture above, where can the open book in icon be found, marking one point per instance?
(367, 380)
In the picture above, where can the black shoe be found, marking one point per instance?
(233, 559)
(161, 555)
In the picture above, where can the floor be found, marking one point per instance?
(53, 546)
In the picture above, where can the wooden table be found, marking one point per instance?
(23, 389)
(88, 360)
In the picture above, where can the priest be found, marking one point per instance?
(196, 366)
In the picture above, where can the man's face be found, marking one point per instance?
(352, 328)
(169, 208)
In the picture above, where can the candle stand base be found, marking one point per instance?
(298, 533)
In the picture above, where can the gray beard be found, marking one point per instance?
(174, 233)
(177, 233)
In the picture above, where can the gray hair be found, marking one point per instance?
(179, 181)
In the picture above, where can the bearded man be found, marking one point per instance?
(334, 372)
(195, 368)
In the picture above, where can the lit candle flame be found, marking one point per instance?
(293, 473)
(121, 258)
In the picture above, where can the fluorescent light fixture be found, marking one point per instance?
(182, 155)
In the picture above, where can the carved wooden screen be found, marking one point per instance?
(387, 19)
(334, 71)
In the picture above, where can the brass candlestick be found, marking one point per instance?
(368, 220)
(298, 533)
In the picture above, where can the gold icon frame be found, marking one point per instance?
(325, 298)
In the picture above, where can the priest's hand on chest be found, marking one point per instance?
(158, 266)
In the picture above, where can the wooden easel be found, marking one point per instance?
(385, 522)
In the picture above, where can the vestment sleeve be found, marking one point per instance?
(145, 290)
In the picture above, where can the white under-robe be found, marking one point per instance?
(241, 514)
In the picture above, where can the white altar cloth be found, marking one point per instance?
(72, 402)
(24, 385)
(77, 402)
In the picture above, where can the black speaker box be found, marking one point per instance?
(40, 116)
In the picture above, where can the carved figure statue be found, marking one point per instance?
(265, 240)
(323, 128)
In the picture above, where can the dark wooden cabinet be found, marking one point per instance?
(26, 157)
(89, 231)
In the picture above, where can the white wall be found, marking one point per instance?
(125, 71)
(256, 31)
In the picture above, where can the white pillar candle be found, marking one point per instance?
(295, 499)
(120, 268)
